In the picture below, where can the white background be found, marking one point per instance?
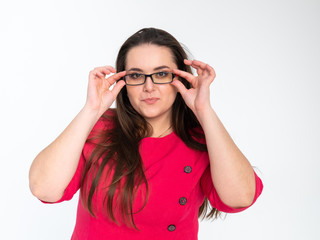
(266, 55)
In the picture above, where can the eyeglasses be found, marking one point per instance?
(135, 79)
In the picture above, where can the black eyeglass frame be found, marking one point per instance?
(145, 78)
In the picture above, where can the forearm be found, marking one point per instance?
(54, 167)
(231, 172)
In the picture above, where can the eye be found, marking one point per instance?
(135, 75)
(162, 74)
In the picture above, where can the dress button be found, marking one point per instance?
(171, 228)
(182, 201)
(187, 169)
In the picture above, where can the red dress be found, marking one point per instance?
(178, 178)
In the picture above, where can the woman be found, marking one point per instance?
(150, 167)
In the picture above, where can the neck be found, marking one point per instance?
(161, 128)
(166, 132)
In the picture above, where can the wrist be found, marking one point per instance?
(203, 111)
(205, 115)
(91, 113)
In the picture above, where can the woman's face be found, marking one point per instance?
(152, 101)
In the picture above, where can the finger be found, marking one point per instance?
(98, 74)
(187, 62)
(192, 64)
(199, 64)
(111, 80)
(207, 69)
(102, 71)
(106, 70)
(180, 87)
(116, 89)
(211, 71)
(204, 67)
(188, 76)
(95, 75)
(110, 68)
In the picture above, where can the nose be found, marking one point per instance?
(148, 85)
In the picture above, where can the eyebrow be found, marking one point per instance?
(155, 69)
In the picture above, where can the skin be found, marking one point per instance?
(231, 172)
(53, 168)
(149, 59)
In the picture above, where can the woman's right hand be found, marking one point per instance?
(99, 96)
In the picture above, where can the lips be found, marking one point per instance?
(150, 100)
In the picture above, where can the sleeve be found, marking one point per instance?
(74, 184)
(212, 195)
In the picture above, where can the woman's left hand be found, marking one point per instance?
(197, 97)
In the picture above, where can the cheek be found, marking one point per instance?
(173, 97)
(171, 93)
(132, 95)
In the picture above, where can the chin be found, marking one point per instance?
(152, 114)
(149, 115)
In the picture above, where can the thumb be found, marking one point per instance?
(180, 87)
(116, 89)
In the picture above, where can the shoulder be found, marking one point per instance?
(197, 134)
(101, 127)
(104, 123)
(99, 132)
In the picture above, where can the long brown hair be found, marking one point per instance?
(118, 146)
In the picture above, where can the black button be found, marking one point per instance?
(187, 169)
(182, 201)
(171, 228)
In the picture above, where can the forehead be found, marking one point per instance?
(149, 56)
